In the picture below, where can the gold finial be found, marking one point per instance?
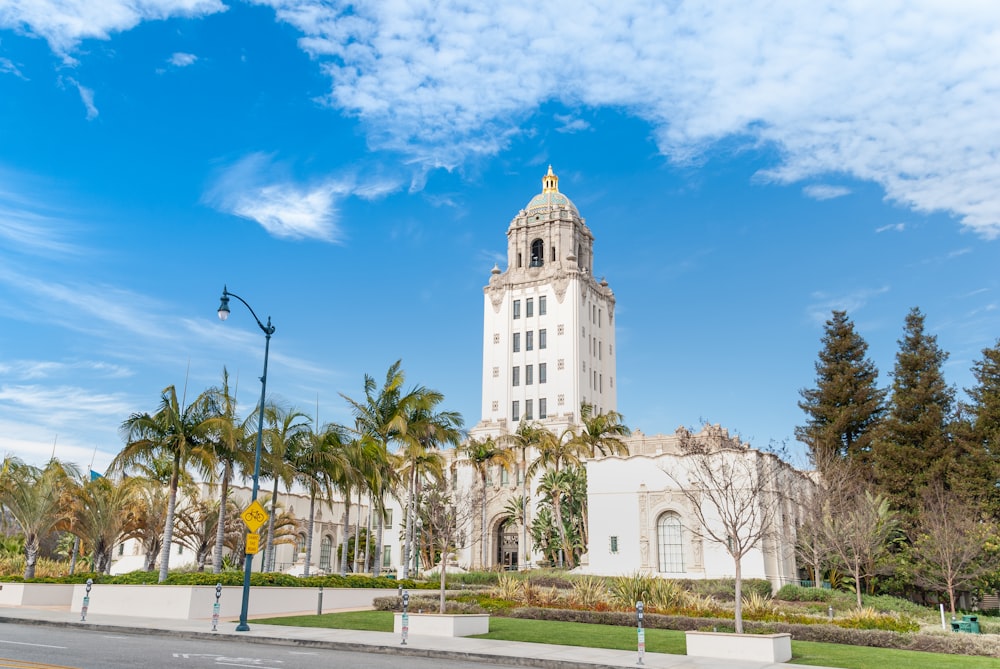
(550, 182)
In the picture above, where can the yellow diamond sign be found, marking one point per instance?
(254, 516)
(253, 544)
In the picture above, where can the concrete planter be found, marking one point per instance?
(191, 602)
(758, 647)
(35, 594)
(443, 624)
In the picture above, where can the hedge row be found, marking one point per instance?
(955, 644)
(236, 578)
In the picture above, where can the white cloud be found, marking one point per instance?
(824, 303)
(181, 59)
(901, 94)
(892, 227)
(825, 191)
(7, 66)
(570, 124)
(87, 97)
(64, 23)
(258, 189)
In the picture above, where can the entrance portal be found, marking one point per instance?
(507, 547)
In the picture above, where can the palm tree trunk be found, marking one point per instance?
(76, 549)
(30, 555)
(168, 525)
(347, 528)
(377, 567)
(410, 505)
(269, 561)
(482, 525)
(524, 511)
(557, 512)
(309, 532)
(220, 532)
(357, 535)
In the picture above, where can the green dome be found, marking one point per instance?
(550, 197)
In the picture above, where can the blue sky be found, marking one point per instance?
(351, 169)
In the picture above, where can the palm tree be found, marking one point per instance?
(197, 523)
(482, 455)
(174, 430)
(101, 511)
(426, 430)
(283, 436)
(382, 415)
(524, 439)
(599, 434)
(555, 453)
(34, 497)
(228, 437)
(319, 461)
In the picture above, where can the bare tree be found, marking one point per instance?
(857, 529)
(733, 494)
(835, 481)
(445, 516)
(950, 541)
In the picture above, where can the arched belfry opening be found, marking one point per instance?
(537, 253)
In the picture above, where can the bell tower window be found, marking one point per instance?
(537, 253)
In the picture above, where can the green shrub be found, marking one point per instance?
(796, 593)
(590, 591)
(869, 619)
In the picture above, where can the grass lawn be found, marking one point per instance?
(657, 641)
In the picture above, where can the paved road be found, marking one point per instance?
(36, 647)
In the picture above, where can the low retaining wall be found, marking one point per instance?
(723, 646)
(35, 594)
(191, 602)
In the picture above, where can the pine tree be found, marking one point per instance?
(915, 448)
(977, 435)
(846, 405)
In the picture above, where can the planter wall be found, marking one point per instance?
(191, 602)
(758, 647)
(437, 624)
(35, 594)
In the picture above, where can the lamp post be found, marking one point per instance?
(268, 330)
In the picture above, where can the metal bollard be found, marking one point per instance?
(86, 601)
(405, 619)
(215, 607)
(319, 602)
(642, 632)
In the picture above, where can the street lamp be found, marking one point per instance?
(268, 330)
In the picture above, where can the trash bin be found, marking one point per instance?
(955, 626)
(973, 624)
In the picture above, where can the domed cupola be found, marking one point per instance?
(550, 198)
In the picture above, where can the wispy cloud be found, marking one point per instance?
(824, 303)
(30, 222)
(7, 66)
(259, 189)
(892, 227)
(64, 23)
(825, 191)
(87, 97)
(898, 94)
(570, 124)
(181, 59)
(48, 369)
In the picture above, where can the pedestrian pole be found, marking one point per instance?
(319, 602)
(642, 632)
(215, 607)
(405, 620)
(86, 601)
(944, 626)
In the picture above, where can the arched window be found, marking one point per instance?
(300, 543)
(325, 551)
(669, 541)
(537, 253)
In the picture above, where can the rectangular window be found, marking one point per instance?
(529, 340)
(600, 347)
(541, 304)
(542, 369)
(614, 544)
(527, 410)
(387, 521)
(386, 556)
(529, 375)
(515, 410)
(529, 308)
(515, 376)
(542, 338)
(517, 342)
(517, 309)
(542, 408)
(600, 382)
(504, 476)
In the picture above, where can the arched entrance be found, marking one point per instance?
(507, 546)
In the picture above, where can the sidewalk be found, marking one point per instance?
(513, 653)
